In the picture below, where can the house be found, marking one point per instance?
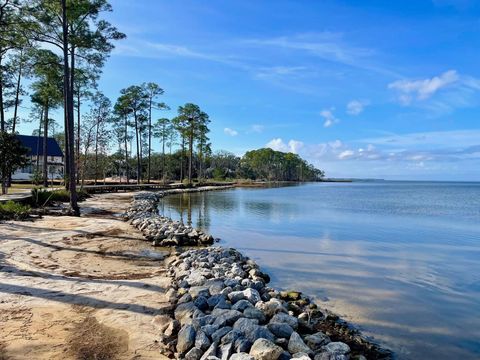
(55, 159)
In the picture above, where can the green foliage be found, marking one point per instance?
(12, 156)
(268, 164)
(13, 211)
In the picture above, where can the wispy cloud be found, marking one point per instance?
(356, 107)
(230, 132)
(257, 128)
(423, 89)
(329, 118)
(328, 46)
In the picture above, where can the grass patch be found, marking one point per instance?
(43, 197)
(14, 211)
(90, 340)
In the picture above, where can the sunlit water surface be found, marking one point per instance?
(401, 260)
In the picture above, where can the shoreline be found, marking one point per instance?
(315, 327)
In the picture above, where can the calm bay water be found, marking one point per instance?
(401, 260)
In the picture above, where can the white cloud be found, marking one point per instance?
(293, 146)
(329, 118)
(409, 90)
(230, 132)
(345, 154)
(356, 107)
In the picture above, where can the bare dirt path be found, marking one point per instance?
(72, 285)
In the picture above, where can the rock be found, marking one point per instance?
(226, 317)
(249, 294)
(290, 295)
(216, 287)
(195, 279)
(194, 354)
(214, 299)
(241, 356)
(263, 349)
(186, 339)
(281, 330)
(271, 307)
(296, 344)
(172, 328)
(245, 325)
(231, 337)
(223, 304)
(260, 332)
(242, 345)
(242, 305)
(201, 303)
(184, 311)
(285, 318)
(254, 313)
(225, 351)
(210, 329)
(334, 351)
(202, 341)
(184, 299)
(196, 291)
(217, 335)
(316, 341)
(211, 351)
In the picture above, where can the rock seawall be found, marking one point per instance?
(163, 231)
(222, 307)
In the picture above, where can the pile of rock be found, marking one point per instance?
(223, 309)
(162, 231)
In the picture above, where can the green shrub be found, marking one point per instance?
(12, 210)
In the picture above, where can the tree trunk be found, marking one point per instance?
(45, 148)
(190, 160)
(149, 139)
(126, 151)
(163, 157)
(38, 143)
(17, 96)
(69, 135)
(182, 154)
(77, 161)
(96, 152)
(139, 168)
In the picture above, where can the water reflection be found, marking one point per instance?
(400, 260)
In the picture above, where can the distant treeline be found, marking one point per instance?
(263, 164)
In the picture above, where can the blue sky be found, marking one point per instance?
(367, 88)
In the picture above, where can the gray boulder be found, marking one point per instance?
(186, 339)
(202, 341)
(242, 305)
(334, 351)
(194, 354)
(285, 318)
(217, 335)
(316, 341)
(263, 349)
(281, 330)
(254, 313)
(225, 317)
(296, 344)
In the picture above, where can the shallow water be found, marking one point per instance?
(401, 260)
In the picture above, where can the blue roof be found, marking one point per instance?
(32, 142)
